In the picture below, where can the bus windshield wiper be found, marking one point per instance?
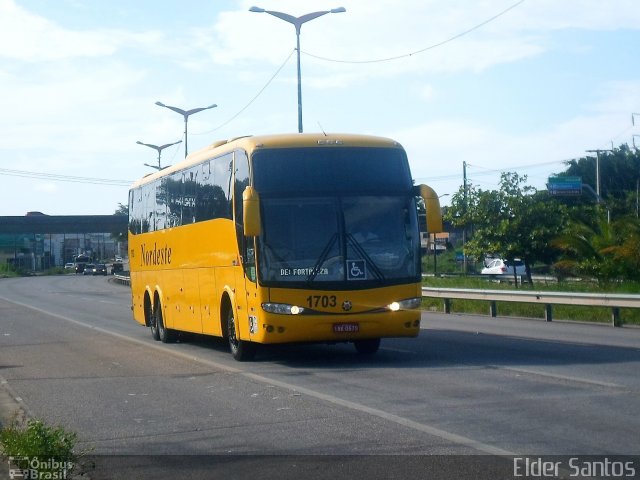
(323, 256)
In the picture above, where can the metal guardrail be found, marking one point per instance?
(548, 299)
(123, 279)
(615, 301)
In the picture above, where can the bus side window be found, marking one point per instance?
(190, 180)
(221, 199)
(134, 199)
(149, 201)
(173, 187)
(161, 206)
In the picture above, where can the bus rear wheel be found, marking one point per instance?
(152, 321)
(368, 346)
(241, 350)
(165, 335)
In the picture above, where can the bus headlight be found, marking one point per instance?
(282, 308)
(407, 304)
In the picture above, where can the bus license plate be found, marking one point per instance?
(346, 328)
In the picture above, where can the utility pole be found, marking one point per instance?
(633, 140)
(464, 228)
(598, 152)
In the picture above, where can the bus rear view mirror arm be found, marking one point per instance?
(432, 204)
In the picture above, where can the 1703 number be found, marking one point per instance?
(324, 301)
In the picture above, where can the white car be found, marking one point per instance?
(497, 266)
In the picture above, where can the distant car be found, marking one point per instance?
(117, 267)
(69, 266)
(498, 266)
(100, 269)
(89, 269)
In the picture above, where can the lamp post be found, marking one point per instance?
(297, 22)
(185, 114)
(159, 149)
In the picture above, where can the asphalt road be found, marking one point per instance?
(71, 353)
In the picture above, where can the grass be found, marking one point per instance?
(7, 271)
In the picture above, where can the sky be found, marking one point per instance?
(503, 85)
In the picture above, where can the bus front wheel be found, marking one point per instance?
(368, 346)
(240, 349)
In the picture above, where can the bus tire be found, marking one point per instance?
(368, 346)
(241, 350)
(166, 335)
(153, 323)
(150, 318)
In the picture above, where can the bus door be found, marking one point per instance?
(247, 302)
(246, 276)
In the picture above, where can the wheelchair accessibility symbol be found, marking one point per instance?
(356, 270)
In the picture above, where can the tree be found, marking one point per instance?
(122, 210)
(603, 250)
(619, 178)
(515, 221)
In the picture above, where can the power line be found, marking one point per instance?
(253, 99)
(475, 27)
(64, 178)
(491, 171)
(422, 50)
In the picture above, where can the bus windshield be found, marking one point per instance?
(331, 170)
(322, 227)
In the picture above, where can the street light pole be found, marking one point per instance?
(185, 114)
(297, 23)
(159, 150)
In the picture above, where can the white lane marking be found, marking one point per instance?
(397, 350)
(557, 376)
(421, 427)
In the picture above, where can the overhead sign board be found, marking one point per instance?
(565, 186)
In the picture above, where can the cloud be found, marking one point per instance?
(46, 187)
(371, 31)
(79, 98)
(437, 149)
(426, 92)
(27, 37)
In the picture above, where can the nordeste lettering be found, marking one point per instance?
(156, 256)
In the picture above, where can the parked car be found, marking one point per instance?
(100, 269)
(498, 266)
(88, 269)
(69, 266)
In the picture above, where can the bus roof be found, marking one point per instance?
(252, 143)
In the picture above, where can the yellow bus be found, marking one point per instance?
(281, 239)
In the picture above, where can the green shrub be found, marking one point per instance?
(38, 446)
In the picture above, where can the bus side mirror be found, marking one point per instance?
(251, 212)
(432, 204)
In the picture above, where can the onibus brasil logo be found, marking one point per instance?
(23, 468)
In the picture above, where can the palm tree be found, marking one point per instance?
(605, 250)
